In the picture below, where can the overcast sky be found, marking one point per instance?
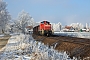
(64, 11)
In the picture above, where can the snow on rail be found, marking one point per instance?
(74, 34)
(24, 47)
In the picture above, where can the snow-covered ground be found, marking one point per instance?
(24, 47)
(1, 35)
(74, 34)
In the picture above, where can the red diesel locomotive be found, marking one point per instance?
(44, 28)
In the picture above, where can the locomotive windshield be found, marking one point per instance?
(47, 22)
(42, 22)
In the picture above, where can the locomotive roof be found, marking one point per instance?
(45, 21)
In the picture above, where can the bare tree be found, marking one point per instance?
(24, 20)
(4, 16)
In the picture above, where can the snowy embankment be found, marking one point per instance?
(24, 47)
(74, 34)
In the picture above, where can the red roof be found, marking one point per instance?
(31, 27)
(68, 27)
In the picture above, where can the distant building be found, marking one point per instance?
(29, 29)
(68, 29)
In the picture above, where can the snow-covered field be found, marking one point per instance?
(24, 47)
(74, 34)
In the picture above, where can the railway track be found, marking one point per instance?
(77, 47)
